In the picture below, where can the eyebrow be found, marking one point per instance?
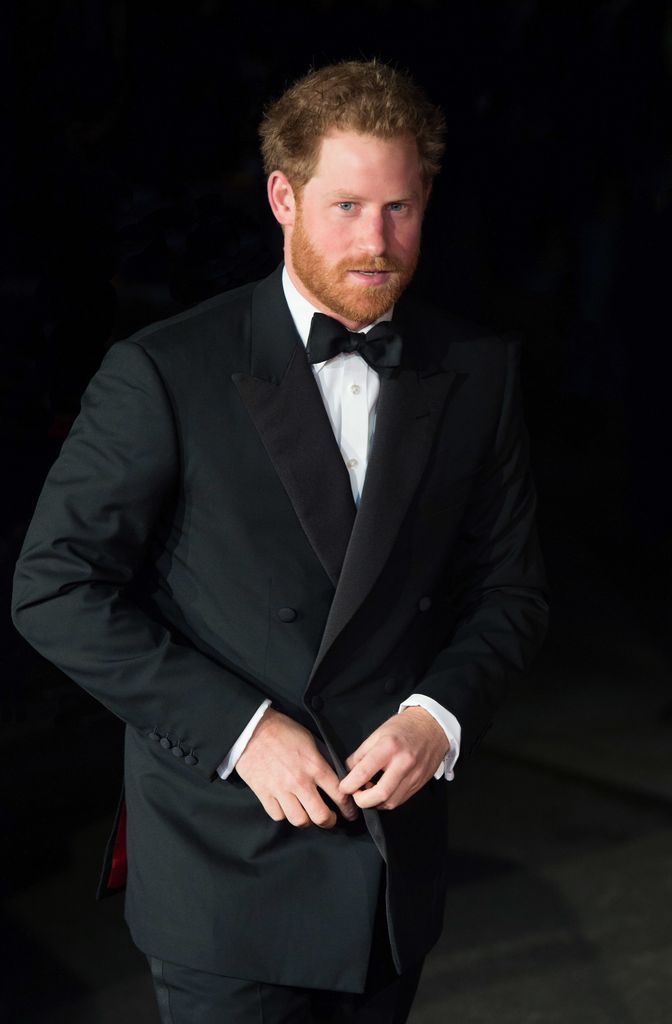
(342, 194)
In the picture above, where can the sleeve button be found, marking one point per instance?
(191, 759)
(177, 751)
(165, 743)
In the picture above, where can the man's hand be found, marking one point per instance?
(283, 767)
(407, 749)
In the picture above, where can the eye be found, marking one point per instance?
(397, 207)
(346, 205)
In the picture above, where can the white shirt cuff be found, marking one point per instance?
(450, 726)
(229, 762)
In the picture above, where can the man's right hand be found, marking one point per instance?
(284, 768)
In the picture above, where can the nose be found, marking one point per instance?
(372, 234)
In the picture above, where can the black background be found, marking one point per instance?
(131, 187)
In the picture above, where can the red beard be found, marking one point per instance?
(331, 285)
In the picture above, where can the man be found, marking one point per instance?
(291, 544)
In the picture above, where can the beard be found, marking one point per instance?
(332, 286)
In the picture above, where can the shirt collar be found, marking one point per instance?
(302, 310)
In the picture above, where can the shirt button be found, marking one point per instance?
(316, 702)
(424, 604)
(286, 614)
(355, 389)
(352, 463)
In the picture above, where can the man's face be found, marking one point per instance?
(354, 242)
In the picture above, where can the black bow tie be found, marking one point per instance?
(380, 347)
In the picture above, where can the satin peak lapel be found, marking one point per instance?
(409, 407)
(285, 405)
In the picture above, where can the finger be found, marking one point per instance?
(294, 812)
(316, 809)
(354, 758)
(392, 789)
(364, 770)
(361, 751)
(272, 807)
(330, 784)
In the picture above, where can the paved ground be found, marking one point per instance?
(561, 907)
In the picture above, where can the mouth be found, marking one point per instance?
(371, 276)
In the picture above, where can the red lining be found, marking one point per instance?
(116, 879)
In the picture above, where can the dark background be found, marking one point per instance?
(131, 188)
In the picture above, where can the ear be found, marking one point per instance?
(281, 198)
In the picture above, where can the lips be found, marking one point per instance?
(371, 276)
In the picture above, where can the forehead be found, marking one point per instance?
(346, 158)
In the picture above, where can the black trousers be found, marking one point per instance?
(188, 996)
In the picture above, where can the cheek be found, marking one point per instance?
(319, 235)
(407, 237)
(331, 242)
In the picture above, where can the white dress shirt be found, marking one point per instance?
(349, 389)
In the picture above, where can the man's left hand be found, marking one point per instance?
(407, 749)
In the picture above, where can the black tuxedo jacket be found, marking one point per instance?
(196, 548)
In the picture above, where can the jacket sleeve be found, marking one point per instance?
(73, 586)
(498, 592)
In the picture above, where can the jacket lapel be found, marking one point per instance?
(285, 405)
(284, 402)
(409, 406)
